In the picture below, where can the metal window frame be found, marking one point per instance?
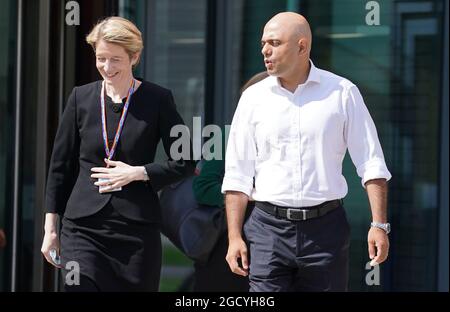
(17, 149)
(223, 60)
(442, 279)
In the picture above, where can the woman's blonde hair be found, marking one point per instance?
(120, 31)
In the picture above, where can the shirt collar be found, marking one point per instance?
(314, 76)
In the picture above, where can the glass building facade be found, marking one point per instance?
(395, 51)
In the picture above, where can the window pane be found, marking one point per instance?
(175, 51)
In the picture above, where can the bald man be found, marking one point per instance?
(289, 134)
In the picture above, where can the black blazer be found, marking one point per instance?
(79, 146)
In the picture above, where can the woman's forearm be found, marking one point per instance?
(50, 222)
(140, 174)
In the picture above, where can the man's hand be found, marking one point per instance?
(378, 243)
(237, 250)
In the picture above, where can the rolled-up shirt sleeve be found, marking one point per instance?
(241, 151)
(362, 139)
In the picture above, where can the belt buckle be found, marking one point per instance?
(289, 211)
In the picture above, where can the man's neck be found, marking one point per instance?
(119, 90)
(299, 77)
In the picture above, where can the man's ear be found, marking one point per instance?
(302, 46)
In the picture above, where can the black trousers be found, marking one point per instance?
(309, 255)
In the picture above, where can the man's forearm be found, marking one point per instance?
(377, 192)
(236, 204)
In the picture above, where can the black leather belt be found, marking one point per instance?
(300, 213)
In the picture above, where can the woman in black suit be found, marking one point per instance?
(102, 179)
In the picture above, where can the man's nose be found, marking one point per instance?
(265, 50)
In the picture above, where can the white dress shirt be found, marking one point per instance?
(293, 144)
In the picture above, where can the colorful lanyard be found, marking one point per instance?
(110, 153)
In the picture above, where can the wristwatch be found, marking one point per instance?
(384, 226)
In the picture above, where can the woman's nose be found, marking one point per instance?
(106, 66)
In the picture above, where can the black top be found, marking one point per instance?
(113, 113)
(79, 146)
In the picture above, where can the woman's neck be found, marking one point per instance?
(119, 90)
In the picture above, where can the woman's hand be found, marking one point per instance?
(51, 240)
(118, 174)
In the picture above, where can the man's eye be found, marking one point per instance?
(101, 59)
(276, 43)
